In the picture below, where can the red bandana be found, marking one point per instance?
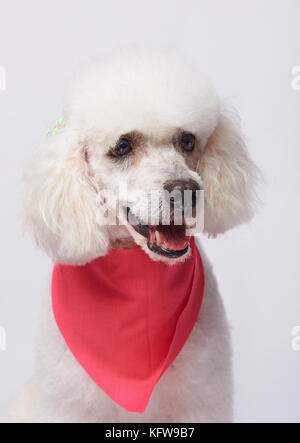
(126, 318)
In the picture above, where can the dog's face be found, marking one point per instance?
(146, 179)
(143, 135)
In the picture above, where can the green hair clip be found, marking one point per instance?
(58, 125)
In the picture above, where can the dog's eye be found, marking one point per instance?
(188, 142)
(123, 147)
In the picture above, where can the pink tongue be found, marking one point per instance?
(174, 244)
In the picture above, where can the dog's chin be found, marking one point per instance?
(168, 244)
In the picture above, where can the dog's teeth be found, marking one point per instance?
(158, 240)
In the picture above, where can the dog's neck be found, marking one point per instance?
(121, 239)
(123, 243)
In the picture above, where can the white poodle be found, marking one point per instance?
(143, 122)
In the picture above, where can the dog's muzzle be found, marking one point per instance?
(170, 239)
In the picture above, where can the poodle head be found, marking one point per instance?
(144, 137)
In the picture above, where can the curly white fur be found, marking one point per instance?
(155, 95)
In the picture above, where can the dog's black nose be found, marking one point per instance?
(176, 190)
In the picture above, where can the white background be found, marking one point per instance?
(248, 48)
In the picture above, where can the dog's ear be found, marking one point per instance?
(229, 177)
(62, 202)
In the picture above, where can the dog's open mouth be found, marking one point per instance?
(168, 240)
